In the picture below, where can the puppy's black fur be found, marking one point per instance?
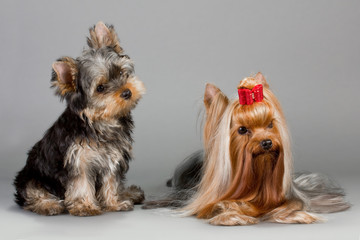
(80, 164)
(45, 159)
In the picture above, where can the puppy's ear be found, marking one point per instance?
(259, 78)
(64, 76)
(213, 93)
(102, 35)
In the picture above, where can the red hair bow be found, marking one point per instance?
(247, 96)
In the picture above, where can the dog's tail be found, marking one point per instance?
(183, 184)
(173, 199)
(187, 174)
(319, 193)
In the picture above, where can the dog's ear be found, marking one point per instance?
(212, 94)
(64, 76)
(259, 78)
(102, 35)
(215, 103)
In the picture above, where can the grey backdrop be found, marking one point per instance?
(308, 50)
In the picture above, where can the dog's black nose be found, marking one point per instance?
(266, 144)
(126, 94)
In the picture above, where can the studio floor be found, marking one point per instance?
(160, 224)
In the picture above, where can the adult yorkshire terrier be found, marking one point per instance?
(245, 173)
(79, 165)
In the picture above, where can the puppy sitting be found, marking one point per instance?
(79, 165)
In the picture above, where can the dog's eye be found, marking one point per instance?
(242, 130)
(270, 125)
(100, 88)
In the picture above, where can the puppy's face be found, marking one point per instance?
(109, 84)
(99, 84)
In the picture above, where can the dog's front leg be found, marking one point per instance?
(290, 212)
(80, 196)
(232, 212)
(109, 197)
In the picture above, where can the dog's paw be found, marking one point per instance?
(47, 208)
(301, 217)
(83, 209)
(232, 218)
(55, 209)
(125, 206)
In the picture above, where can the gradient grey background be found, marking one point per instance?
(308, 50)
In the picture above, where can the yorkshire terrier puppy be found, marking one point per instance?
(79, 165)
(244, 175)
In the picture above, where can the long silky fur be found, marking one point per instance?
(217, 164)
(319, 192)
(316, 192)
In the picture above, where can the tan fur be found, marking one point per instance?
(291, 212)
(232, 218)
(80, 196)
(283, 130)
(108, 193)
(109, 196)
(103, 36)
(217, 168)
(215, 103)
(41, 201)
(241, 182)
(230, 213)
(81, 191)
(112, 105)
(88, 164)
(83, 207)
(65, 83)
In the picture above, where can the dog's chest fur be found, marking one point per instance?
(107, 151)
